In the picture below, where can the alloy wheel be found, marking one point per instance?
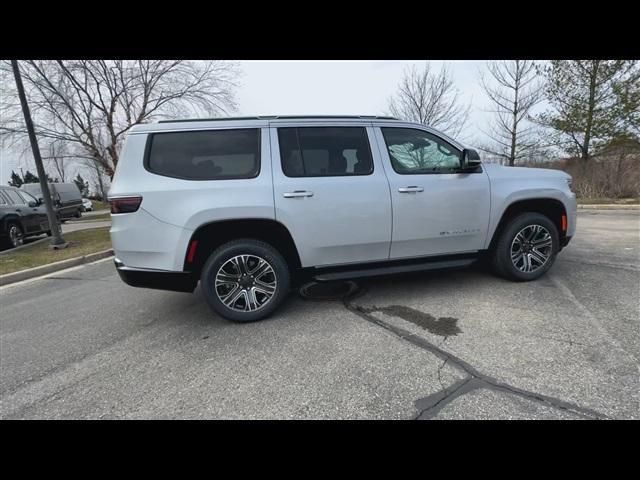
(245, 283)
(531, 248)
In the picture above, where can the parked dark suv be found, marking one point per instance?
(21, 215)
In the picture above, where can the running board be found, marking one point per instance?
(373, 272)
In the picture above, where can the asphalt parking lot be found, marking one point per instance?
(442, 345)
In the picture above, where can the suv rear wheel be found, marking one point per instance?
(245, 280)
(526, 248)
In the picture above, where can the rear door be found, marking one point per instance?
(331, 192)
(436, 210)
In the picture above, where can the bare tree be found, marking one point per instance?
(56, 155)
(93, 103)
(98, 176)
(514, 89)
(430, 98)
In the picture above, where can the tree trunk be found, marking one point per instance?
(113, 153)
(592, 94)
(100, 182)
(514, 131)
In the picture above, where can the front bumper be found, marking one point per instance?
(156, 279)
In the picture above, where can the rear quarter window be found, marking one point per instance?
(205, 155)
(14, 198)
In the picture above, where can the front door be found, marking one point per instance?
(38, 214)
(331, 193)
(436, 211)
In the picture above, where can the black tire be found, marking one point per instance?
(14, 242)
(48, 232)
(226, 253)
(501, 261)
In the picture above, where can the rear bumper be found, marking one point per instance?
(156, 279)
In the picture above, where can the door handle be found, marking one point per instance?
(297, 194)
(411, 189)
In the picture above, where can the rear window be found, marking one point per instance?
(70, 188)
(205, 155)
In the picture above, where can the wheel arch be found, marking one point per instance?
(11, 218)
(211, 235)
(552, 208)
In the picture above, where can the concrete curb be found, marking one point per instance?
(611, 206)
(14, 277)
(21, 247)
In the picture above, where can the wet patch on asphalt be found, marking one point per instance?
(442, 326)
(339, 290)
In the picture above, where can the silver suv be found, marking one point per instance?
(251, 206)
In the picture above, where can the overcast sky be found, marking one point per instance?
(330, 88)
(342, 87)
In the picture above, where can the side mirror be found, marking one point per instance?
(470, 160)
(40, 200)
(33, 203)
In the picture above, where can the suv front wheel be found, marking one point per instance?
(526, 248)
(15, 235)
(245, 280)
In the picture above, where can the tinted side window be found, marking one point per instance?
(205, 155)
(325, 151)
(27, 197)
(415, 151)
(14, 198)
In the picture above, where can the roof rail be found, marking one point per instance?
(274, 117)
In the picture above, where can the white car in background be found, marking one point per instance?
(87, 205)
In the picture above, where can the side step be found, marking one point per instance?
(373, 272)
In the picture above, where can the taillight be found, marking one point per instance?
(125, 204)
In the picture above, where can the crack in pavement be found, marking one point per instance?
(569, 341)
(430, 406)
(440, 371)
